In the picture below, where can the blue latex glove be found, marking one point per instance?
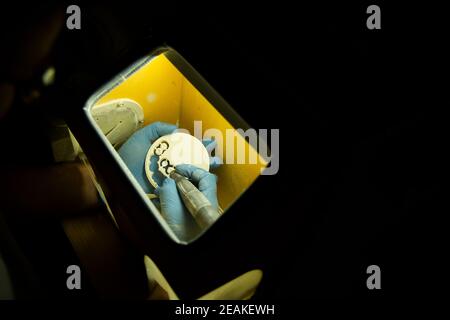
(172, 207)
(134, 150)
(133, 153)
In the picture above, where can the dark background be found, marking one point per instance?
(361, 128)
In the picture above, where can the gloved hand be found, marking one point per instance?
(133, 153)
(134, 150)
(172, 207)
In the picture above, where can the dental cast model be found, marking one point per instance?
(118, 119)
(174, 149)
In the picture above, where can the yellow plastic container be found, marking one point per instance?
(166, 95)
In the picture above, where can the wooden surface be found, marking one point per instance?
(114, 267)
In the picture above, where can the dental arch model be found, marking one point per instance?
(175, 149)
